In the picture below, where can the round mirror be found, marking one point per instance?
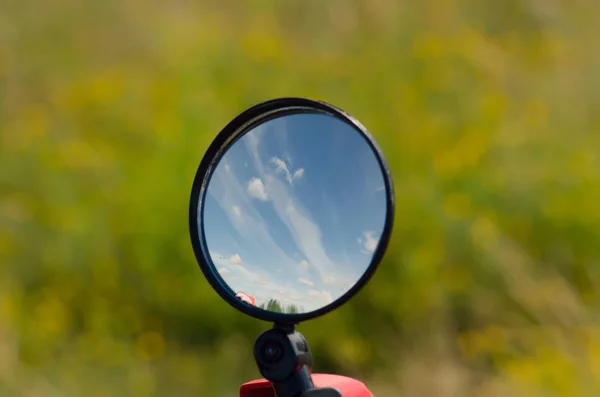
(291, 210)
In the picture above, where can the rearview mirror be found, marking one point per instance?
(291, 211)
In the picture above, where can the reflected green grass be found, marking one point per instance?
(486, 111)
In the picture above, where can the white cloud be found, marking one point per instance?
(236, 210)
(306, 281)
(299, 173)
(256, 189)
(235, 259)
(304, 264)
(370, 242)
(380, 188)
(227, 167)
(223, 270)
(322, 295)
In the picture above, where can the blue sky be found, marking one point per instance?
(294, 210)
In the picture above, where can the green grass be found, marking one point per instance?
(487, 111)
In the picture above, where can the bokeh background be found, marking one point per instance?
(488, 112)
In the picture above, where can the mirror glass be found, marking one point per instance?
(294, 211)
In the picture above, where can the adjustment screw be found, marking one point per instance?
(272, 351)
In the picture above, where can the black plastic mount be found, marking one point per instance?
(283, 358)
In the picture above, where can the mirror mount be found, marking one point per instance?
(283, 358)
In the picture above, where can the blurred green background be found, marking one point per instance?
(488, 112)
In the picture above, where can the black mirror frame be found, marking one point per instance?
(236, 128)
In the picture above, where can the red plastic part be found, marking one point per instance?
(348, 386)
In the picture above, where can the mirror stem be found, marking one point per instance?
(283, 358)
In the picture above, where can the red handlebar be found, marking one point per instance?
(349, 387)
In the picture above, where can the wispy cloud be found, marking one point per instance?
(232, 265)
(261, 286)
(232, 197)
(324, 296)
(266, 265)
(281, 167)
(306, 281)
(304, 230)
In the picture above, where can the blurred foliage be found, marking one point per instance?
(488, 112)
(273, 305)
